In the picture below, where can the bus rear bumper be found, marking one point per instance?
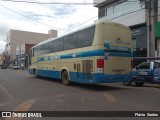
(102, 78)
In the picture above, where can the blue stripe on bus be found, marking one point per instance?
(49, 73)
(86, 78)
(85, 54)
(108, 47)
(115, 54)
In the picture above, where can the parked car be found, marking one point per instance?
(15, 67)
(4, 66)
(145, 72)
(10, 66)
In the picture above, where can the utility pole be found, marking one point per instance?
(150, 29)
(20, 57)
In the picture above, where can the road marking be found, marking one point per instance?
(5, 90)
(3, 104)
(25, 105)
(22, 107)
(109, 97)
(61, 95)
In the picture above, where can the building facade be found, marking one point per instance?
(22, 55)
(139, 15)
(157, 29)
(17, 38)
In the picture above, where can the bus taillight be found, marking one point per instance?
(100, 65)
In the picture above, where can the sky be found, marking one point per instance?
(43, 17)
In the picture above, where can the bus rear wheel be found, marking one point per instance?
(65, 78)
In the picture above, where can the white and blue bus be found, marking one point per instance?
(101, 53)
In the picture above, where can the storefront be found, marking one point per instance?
(157, 37)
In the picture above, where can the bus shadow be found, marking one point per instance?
(90, 87)
(50, 80)
(98, 87)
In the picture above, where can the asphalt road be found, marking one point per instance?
(22, 92)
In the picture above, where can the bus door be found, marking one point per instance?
(84, 69)
(87, 69)
(77, 68)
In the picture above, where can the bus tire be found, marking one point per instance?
(65, 78)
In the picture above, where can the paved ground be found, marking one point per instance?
(22, 92)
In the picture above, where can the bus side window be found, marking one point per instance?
(57, 45)
(85, 37)
(70, 42)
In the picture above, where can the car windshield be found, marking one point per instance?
(145, 65)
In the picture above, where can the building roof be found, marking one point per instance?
(28, 32)
(99, 3)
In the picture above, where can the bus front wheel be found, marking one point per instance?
(65, 78)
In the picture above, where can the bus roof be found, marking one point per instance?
(97, 22)
(51, 39)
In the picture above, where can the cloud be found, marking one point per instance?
(3, 30)
(64, 10)
(2, 46)
(32, 15)
(44, 17)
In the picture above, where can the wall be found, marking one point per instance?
(101, 2)
(128, 19)
(16, 38)
(124, 12)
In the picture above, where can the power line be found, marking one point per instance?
(57, 3)
(80, 24)
(30, 18)
(65, 3)
(46, 24)
(127, 13)
(51, 3)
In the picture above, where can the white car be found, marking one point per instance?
(15, 67)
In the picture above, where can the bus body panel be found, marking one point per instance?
(81, 63)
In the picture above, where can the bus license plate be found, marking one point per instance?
(142, 73)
